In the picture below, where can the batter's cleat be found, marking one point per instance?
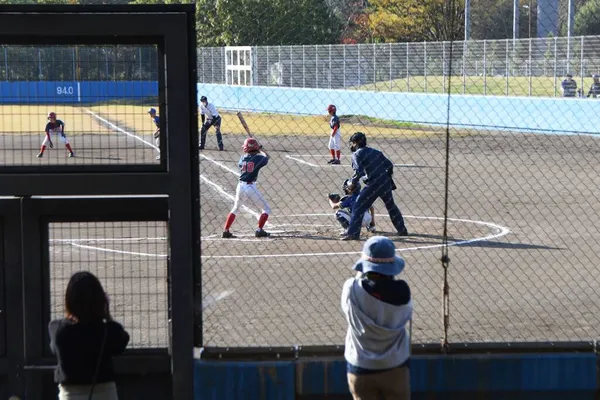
(403, 232)
(371, 228)
(261, 233)
(332, 161)
(40, 155)
(221, 149)
(71, 154)
(158, 157)
(227, 235)
(335, 162)
(346, 237)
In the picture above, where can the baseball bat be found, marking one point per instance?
(244, 124)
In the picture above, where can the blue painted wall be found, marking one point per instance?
(570, 376)
(546, 115)
(75, 92)
(522, 114)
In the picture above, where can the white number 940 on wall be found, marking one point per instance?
(65, 90)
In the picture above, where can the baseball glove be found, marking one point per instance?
(335, 197)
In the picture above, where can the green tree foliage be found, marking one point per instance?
(493, 19)
(587, 19)
(265, 22)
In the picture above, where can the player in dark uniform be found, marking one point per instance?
(595, 88)
(344, 205)
(569, 86)
(55, 127)
(377, 171)
(156, 134)
(250, 165)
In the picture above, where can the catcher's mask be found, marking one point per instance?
(357, 140)
(346, 188)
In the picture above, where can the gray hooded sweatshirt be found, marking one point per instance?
(377, 336)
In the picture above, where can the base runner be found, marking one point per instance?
(250, 164)
(55, 127)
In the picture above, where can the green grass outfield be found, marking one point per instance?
(490, 85)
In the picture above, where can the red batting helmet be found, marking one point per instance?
(331, 108)
(250, 144)
(52, 115)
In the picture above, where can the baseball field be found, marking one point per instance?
(523, 215)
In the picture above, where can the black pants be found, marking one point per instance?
(366, 198)
(216, 122)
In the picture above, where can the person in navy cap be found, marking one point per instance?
(378, 307)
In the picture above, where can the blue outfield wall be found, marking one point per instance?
(571, 376)
(70, 92)
(524, 114)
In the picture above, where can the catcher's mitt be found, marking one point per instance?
(335, 197)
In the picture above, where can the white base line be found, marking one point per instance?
(93, 114)
(294, 157)
(202, 177)
(302, 161)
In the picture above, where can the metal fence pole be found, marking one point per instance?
(507, 66)
(485, 67)
(212, 65)
(74, 65)
(581, 62)
(268, 69)
(529, 68)
(391, 76)
(291, 66)
(407, 71)
(303, 67)
(375, 66)
(464, 69)
(279, 81)
(344, 66)
(329, 66)
(316, 67)
(141, 65)
(358, 64)
(444, 66)
(425, 64)
(555, 63)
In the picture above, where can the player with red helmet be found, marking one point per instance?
(335, 137)
(56, 127)
(250, 164)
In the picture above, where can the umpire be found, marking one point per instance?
(377, 171)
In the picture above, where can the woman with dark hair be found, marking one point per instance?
(85, 341)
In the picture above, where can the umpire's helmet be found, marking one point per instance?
(346, 185)
(357, 140)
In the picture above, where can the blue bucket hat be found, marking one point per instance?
(379, 255)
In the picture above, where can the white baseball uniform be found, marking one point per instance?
(335, 140)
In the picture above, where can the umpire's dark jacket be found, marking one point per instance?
(373, 165)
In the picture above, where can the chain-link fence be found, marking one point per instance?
(522, 207)
(78, 63)
(523, 67)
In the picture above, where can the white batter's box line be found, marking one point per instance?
(296, 157)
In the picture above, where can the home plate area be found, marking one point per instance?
(319, 234)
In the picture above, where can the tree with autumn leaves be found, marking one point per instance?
(407, 21)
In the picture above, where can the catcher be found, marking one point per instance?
(343, 206)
